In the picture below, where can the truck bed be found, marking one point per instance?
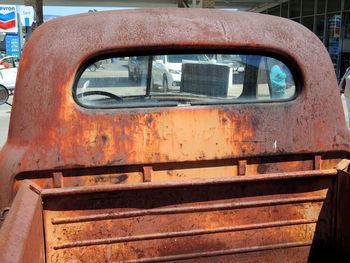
(289, 217)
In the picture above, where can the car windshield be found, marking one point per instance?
(192, 79)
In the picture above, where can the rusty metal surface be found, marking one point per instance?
(220, 181)
(21, 235)
(180, 171)
(265, 218)
(57, 144)
(49, 131)
(343, 215)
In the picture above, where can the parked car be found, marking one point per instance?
(166, 69)
(8, 73)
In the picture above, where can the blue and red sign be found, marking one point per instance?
(8, 18)
(13, 47)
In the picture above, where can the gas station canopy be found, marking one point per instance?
(244, 5)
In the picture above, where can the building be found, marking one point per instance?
(328, 19)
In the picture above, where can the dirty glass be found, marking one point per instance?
(183, 79)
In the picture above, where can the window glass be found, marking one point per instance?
(334, 5)
(284, 9)
(294, 6)
(183, 79)
(345, 56)
(321, 6)
(333, 37)
(308, 7)
(320, 26)
(308, 22)
(275, 11)
(347, 5)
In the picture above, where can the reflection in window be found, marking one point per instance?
(183, 79)
(320, 26)
(308, 7)
(321, 6)
(284, 10)
(334, 6)
(275, 11)
(333, 36)
(294, 6)
(308, 22)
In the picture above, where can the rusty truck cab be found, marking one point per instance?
(195, 160)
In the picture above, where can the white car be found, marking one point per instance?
(234, 61)
(8, 73)
(166, 70)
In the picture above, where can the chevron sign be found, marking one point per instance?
(8, 18)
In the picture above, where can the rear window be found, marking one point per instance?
(183, 79)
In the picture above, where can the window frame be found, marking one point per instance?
(290, 63)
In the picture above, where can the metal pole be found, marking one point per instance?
(38, 8)
(20, 34)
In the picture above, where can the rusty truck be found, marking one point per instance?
(239, 154)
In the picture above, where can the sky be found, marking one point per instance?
(71, 10)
